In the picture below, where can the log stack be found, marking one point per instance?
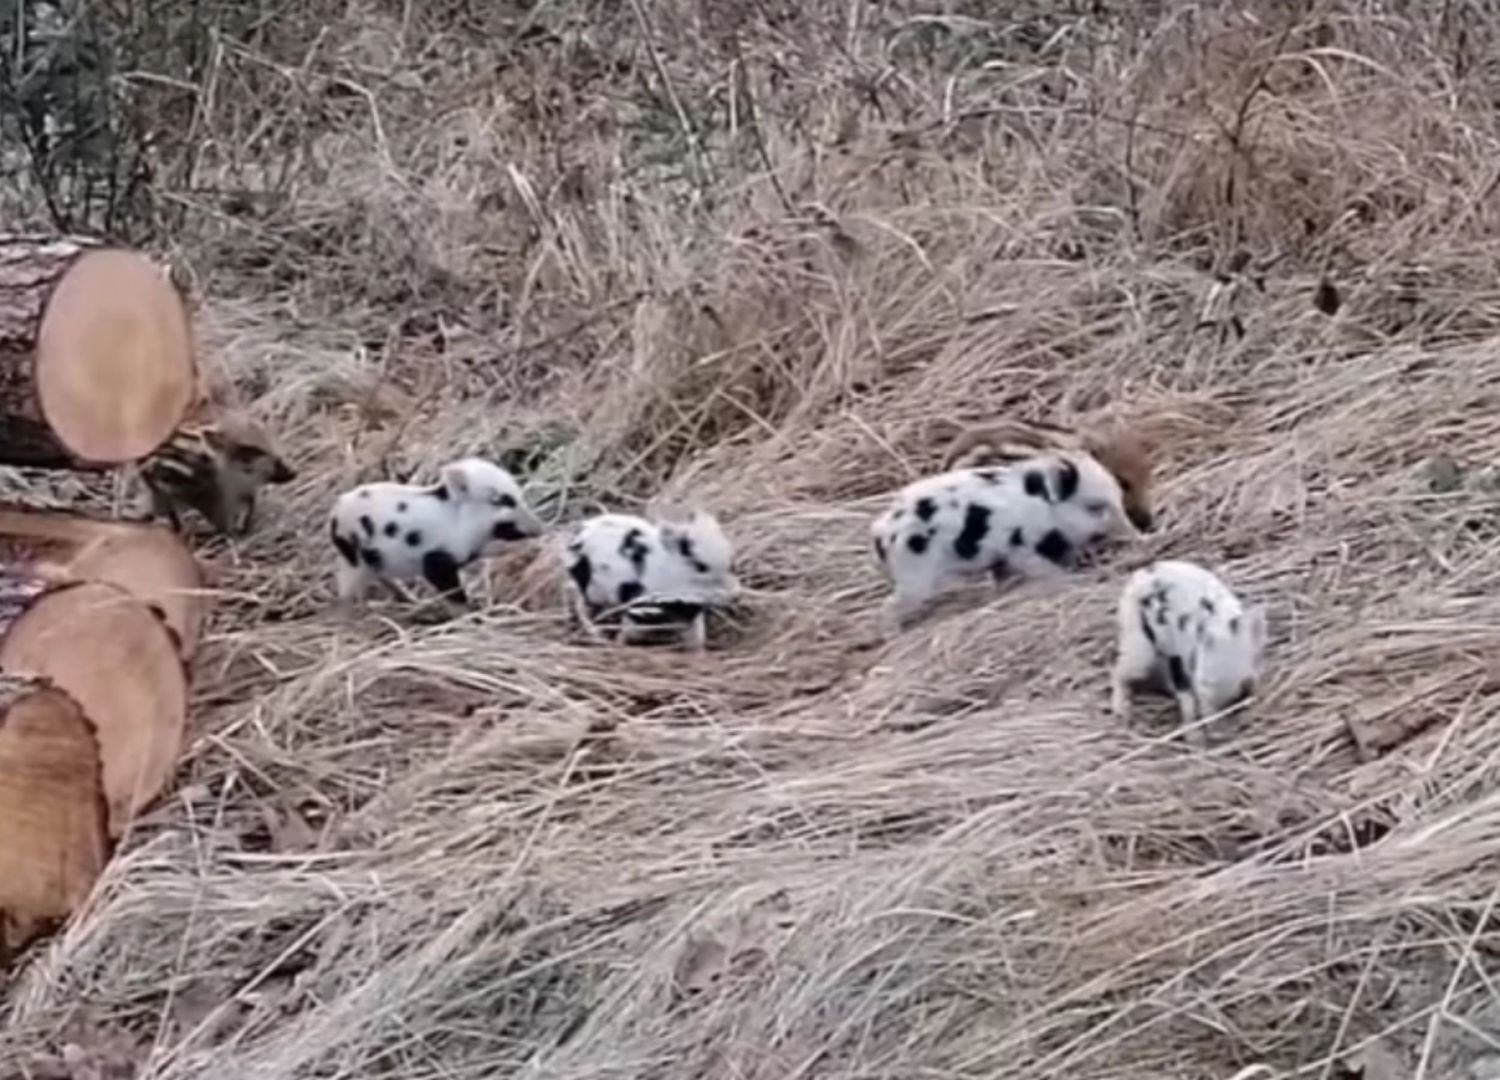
(98, 618)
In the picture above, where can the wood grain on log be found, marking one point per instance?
(118, 660)
(54, 841)
(149, 561)
(96, 357)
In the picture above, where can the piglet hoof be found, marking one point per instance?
(893, 621)
(451, 611)
(438, 612)
(349, 612)
(1194, 732)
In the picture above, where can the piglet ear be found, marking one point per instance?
(456, 478)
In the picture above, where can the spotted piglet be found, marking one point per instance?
(1035, 519)
(1182, 628)
(644, 579)
(393, 533)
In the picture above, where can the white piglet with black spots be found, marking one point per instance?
(392, 533)
(1034, 519)
(646, 577)
(1183, 630)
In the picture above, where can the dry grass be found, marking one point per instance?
(486, 849)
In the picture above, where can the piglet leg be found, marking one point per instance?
(695, 638)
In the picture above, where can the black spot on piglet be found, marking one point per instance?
(1055, 547)
(917, 543)
(582, 572)
(441, 571)
(685, 547)
(976, 527)
(1067, 480)
(925, 508)
(630, 590)
(633, 547)
(1035, 485)
(348, 548)
(367, 524)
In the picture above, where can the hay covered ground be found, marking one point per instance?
(748, 255)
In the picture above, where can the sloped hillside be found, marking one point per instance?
(752, 255)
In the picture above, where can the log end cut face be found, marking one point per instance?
(54, 842)
(111, 653)
(114, 371)
(148, 561)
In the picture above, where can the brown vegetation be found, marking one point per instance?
(745, 253)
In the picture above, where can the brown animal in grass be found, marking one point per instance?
(215, 467)
(1126, 453)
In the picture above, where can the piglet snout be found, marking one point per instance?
(532, 525)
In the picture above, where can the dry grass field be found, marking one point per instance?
(751, 254)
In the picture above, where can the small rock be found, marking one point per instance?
(1443, 474)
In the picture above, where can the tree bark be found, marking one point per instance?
(148, 561)
(96, 355)
(113, 655)
(55, 839)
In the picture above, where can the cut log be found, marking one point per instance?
(96, 357)
(114, 656)
(55, 841)
(148, 561)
